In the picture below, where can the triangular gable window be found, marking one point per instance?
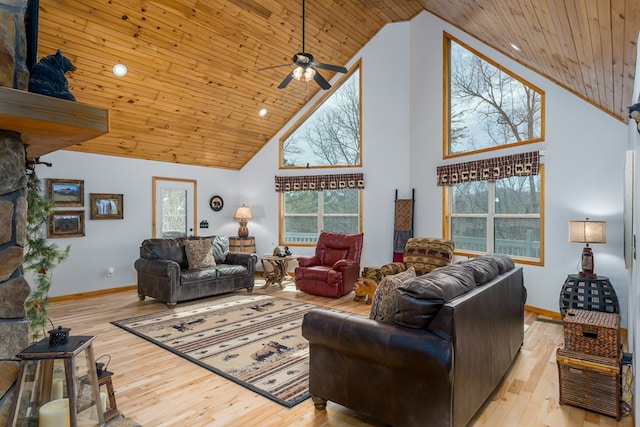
(329, 134)
(486, 106)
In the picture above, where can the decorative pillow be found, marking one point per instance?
(385, 301)
(393, 268)
(420, 299)
(220, 248)
(199, 253)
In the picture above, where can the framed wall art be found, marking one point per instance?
(106, 206)
(216, 203)
(66, 224)
(65, 192)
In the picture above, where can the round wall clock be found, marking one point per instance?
(216, 203)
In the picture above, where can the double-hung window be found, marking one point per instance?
(311, 204)
(501, 216)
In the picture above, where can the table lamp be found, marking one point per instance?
(243, 213)
(587, 232)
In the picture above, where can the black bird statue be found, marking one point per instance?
(48, 77)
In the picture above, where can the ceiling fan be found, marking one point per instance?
(306, 67)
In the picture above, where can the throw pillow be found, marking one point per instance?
(199, 253)
(385, 300)
(220, 248)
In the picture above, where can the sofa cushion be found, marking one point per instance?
(385, 300)
(484, 269)
(167, 249)
(420, 299)
(505, 263)
(331, 256)
(199, 253)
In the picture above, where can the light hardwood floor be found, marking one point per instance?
(158, 388)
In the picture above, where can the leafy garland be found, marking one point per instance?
(40, 255)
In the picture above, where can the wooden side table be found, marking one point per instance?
(279, 269)
(242, 244)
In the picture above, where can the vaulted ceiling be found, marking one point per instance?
(194, 88)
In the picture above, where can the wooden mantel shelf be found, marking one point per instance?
(48, 124)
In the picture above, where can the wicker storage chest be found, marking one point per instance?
(590, 382)
(592, 332)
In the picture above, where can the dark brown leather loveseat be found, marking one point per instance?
(450, 345)
(164, 274)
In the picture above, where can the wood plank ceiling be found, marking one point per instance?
(193, 89)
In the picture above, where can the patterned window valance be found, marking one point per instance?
(319, 182)
(523, 164)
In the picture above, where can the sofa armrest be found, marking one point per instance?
(393, 268)
(414, 351)
(158, 267)
(306, 261)
(344, 263)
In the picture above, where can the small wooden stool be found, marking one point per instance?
(104, 378)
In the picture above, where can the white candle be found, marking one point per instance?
(54, 414)
(103, 400)
(56, 389)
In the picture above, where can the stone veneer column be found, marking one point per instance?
(14, 289)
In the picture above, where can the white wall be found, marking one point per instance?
(584, 164)
(402, 146)
(385, 149)
(634, 285)
(115, 243)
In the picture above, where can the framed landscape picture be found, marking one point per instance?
(65, 192)
(106, 206)
(66, 224)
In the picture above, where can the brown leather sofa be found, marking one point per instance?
(164, 274)
(449, 347)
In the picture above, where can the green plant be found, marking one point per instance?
(40, 256)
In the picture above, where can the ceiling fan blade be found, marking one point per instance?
(274, 66)
(321, 81)
(286, 80)
(336, 68)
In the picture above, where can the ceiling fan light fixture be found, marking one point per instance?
(298, 72)
(304, 74)
(309, 73)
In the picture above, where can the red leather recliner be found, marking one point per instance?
(333, 270)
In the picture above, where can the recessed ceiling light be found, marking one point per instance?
(515, 46)
(119, 70)
(262, 112)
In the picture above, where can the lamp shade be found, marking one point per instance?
(588, 231)
(243, 212)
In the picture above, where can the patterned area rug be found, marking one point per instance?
(252, 339)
